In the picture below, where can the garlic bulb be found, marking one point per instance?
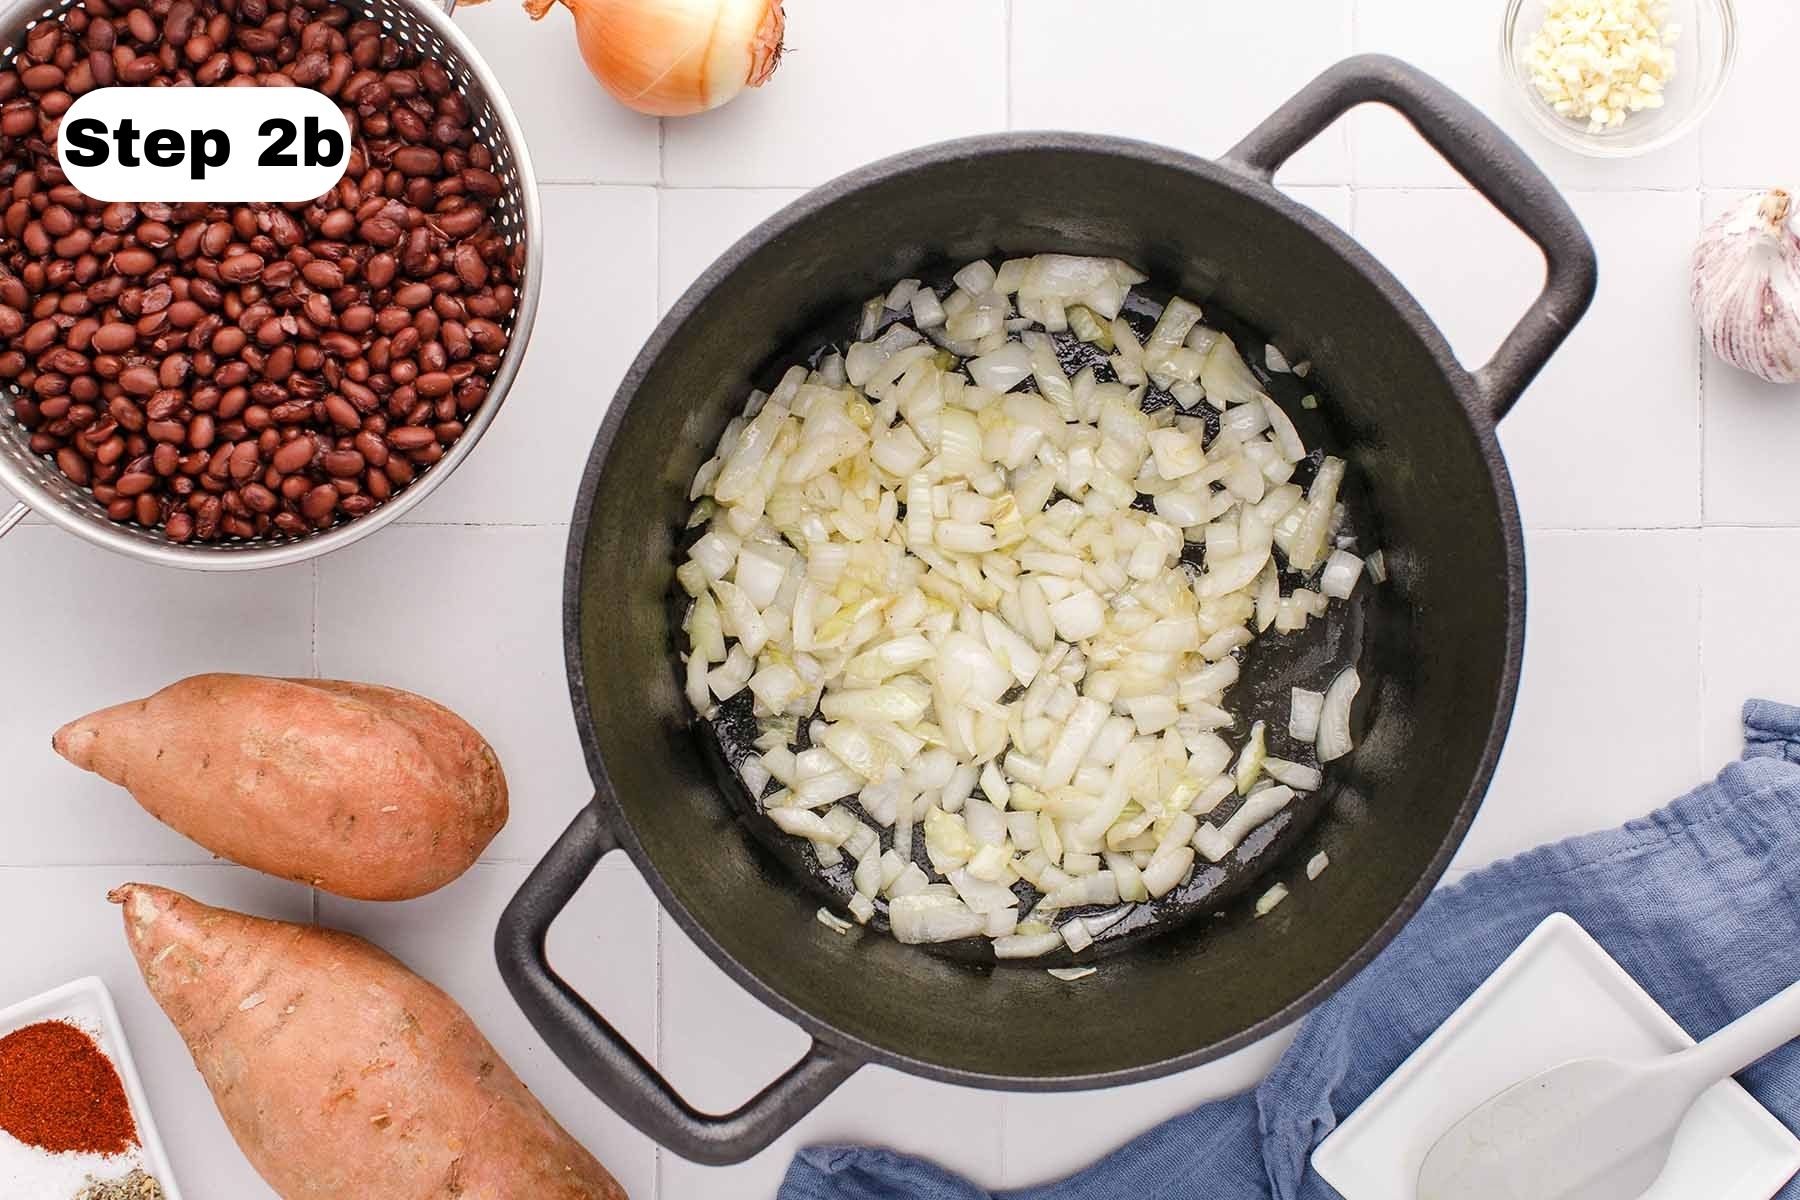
(671, 58)
(1746, 289)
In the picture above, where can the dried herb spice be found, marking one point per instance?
(60, 1092)
(135, 1186)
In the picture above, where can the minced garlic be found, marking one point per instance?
(1602, 60)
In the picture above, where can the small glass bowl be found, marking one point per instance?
(1704, 54)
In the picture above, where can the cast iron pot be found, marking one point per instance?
(1440, 653)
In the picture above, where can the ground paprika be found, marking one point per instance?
(59, 1091)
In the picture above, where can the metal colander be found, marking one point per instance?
(427, 27)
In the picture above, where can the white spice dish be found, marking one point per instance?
(1703, 49)
(1558, 996)
(28, 1170)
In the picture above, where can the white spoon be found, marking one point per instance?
(1595, 1128)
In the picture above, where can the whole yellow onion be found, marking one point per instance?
(671, 58)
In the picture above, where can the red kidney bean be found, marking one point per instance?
(134, 260)
(241, 268)
(252, 369)
(410, 438)
(319, 503)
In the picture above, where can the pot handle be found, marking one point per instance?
(1489, 160)
(603, 1060)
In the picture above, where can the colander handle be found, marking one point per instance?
(1491, 162)
(602, 1059)
(13, 516)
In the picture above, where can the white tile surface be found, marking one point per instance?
(1752, 446)
(87, 937)
(1624, 384)
(696, 225)
(1477, 276)
(1747, 575)
(597, 305)
(1473, 273)
(118, 630)
(1335, 204)
(861, 79)
(1608, 719)
(720, 1047)
(1740, 146)
(1460, 45)
(1049, 1135)
(575, 131)
(1194, 76)
(1650, 621)
(489, 647)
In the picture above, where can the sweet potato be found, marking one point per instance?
(365, 791)
(342, 1074)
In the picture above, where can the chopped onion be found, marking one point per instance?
(981, 895)
(1342, 570)
(1308, 543)
(1079, 615)
(1027, 945)
(1250, 760)
(1334, 717)
(1265, 903)
(977, 278)
(971, 601)
(1226, 379)
(927, 310)
(1071, 974)
(1002, 370)
(1075, 935)
(1298, 776)
(832, 922)
(929, 917)
(1099, 888)
(1215, 842)
(1303, 714)
(1315, 866)
(1287, 438)
(1167, 870)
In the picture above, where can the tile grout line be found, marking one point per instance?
(1006, 42)
(656, 1041)
(1700, 373)
(313, 646)
(313, 663)
(1000, 1135)
(656, 249)
(1349, 143)
(658, 1162)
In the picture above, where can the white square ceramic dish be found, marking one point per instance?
(1558, 996)
(27, 1173)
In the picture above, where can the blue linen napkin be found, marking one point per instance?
(1699, 901)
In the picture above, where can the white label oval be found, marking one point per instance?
(281, 144)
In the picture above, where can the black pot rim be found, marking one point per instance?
(1252, 188)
